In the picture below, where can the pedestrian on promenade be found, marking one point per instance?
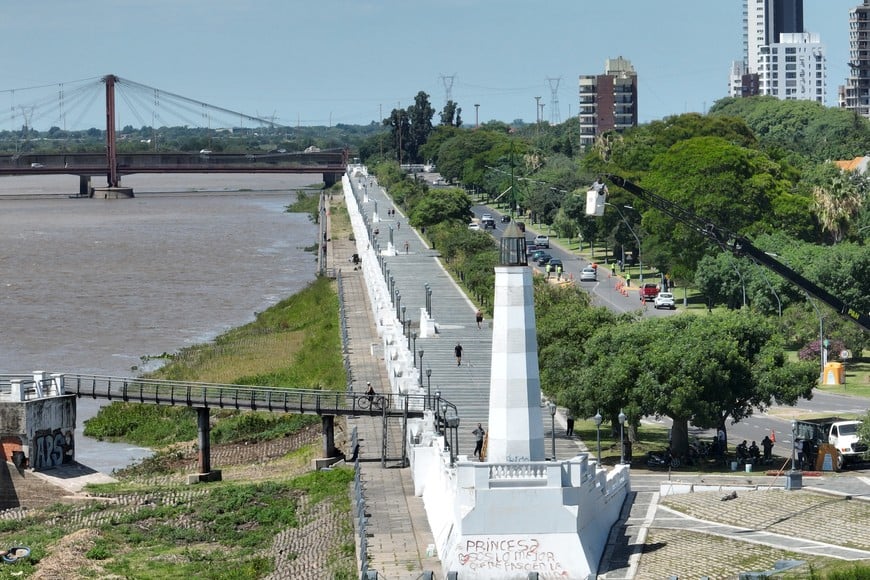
(767, 445)
(407, 245)
(569, 432)
(398, 225)
(457, 350)
(478, 440)
(370, 392)
(478, 317)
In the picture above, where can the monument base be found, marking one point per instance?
(113, 192)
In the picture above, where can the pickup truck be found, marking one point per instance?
(486, 221)
(648, 292)
(842, 434)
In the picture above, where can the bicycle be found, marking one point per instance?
(373, 402)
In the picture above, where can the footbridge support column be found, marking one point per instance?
(330, 453)
(204, 443)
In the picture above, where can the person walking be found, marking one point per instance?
(767, 446)
(370, 392)
(569, 431)
(478, 317)
(478, 441)
(558, 272)
(457, 351)
(407, 246)
(547, 269)
(628, 279)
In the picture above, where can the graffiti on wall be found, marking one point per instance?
(52, 448)
(510, 555)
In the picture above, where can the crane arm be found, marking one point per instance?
(739, 246)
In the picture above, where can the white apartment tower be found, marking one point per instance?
(855, 95)
(779, 58)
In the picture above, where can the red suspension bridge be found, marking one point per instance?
(114, 164)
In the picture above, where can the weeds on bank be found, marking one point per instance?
(224, 531)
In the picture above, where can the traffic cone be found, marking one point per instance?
(773, 436)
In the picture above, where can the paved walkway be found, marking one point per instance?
(651, 540)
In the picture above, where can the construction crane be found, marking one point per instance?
(725, 239)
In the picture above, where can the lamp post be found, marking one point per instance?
(413, 336)
(621, 418)
(421, 366)
(552, 406)
(636, 239)
(403, 323)
(428, 388)
(597, 418)
(793, 444)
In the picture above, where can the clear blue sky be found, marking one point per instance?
(352, 61)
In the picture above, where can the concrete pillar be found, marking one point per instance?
(516, 432)
(85, 189)
(204, 439)
(328, 424)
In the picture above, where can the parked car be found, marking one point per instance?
(474, 226)
(543, 259)
(665, 300)
(588, 274)
(543, 241)
(648, 292)
(556, 262)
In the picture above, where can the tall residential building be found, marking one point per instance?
(608, 101)
(779, 57)
(855, 95)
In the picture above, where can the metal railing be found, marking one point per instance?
(240, 397)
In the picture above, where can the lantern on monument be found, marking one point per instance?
(512, 247)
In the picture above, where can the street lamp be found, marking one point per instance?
(636, 239)
(621, 418)
(413, 335)
(597, 418)
(421, 366)
(793, 444)
(428, 387)
(552, 406)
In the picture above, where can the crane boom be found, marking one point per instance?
(737, 245)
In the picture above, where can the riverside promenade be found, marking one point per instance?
(651, 540)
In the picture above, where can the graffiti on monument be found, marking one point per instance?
(52, 448)
(511, 555)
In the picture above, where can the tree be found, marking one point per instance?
(451, 114)
(400, 133)
(420, 117)
(703, 370)
(838, 200)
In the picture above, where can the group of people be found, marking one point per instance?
(752, 453)
(557, 270)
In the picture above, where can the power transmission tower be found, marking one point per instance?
(555, 116)
(447, 80)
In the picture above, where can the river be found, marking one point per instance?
(91, 286)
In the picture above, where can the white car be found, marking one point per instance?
(588, 274)
(474, 226)
(665, 300)
(542, 241)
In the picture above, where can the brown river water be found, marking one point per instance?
(90, 285)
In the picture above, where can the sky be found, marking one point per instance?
(324, 62)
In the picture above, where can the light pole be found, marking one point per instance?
(639, 253)
(476, 117)
(428, 404)
(553, 426)
(793, 443)
(421, 366)
(414, 350)
(597, 418)
(621, 418)
(636, 239)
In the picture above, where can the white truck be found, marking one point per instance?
(842, 434)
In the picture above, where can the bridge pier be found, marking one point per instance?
(203, 429)
(85, 189)
(330, 179)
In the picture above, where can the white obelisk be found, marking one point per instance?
(516, 430)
